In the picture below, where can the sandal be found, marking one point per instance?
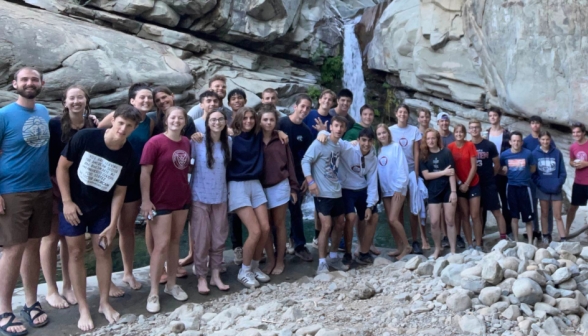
(11, 323)
(25, 313)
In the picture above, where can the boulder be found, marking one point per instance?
(162, 14)
(527, 291)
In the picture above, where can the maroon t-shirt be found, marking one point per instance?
(170, 189)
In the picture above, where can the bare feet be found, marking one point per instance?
(69, 295)
(215, 280)
(14, 329)
(188, 260)
(278, 269)
(132, 282)
(109, 312)
(202, 286)
(426, 245)
(57, 301)
(85, 322)
(436, 254)
(394, 253)
(405, 251)
(115, 291)
(374, 250)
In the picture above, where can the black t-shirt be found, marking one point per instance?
(56, 144)
(435, 163)
(299, 138)
(486, 152)
(96, 170)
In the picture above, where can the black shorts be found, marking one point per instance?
(134, 188)
(472, 192)
(579, 194)
(333, 207)
(490, 199)
(442, 197)
(167, 211)
(355, 201)
(520, 202)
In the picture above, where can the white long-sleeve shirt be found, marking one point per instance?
(392, 170)
(355, 176)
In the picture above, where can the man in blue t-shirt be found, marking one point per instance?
(531, 142)
(318, 120)
(518, 163)
(25, 197)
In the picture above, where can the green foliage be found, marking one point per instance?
(332, 71)
(386, 86)
(314, 92)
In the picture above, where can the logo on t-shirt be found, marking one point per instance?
(332, 167)
(383, 161)
(482, 156)
(436, 163)
(300, 138)
(356, 169)
(517, 164)
(35, 132)
(181, 159)
(546, 165)
(403, 142)
(581, 155)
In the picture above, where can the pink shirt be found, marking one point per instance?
(580, 152)
(170, 189)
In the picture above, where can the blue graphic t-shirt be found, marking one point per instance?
(519, 166)
(24, 141)
(310, 121)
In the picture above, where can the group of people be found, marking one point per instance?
(218, 164)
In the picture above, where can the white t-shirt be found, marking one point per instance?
(200, 124)
(497, 141)
(406, 137)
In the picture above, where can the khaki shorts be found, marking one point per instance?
(27, 215)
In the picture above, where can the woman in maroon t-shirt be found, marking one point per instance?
(166, 197)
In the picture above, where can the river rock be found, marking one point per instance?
(490, 295)
(510, 263)
(471, 324)
(584, 253)
(459, 302)
(526, 251)
(473, 283)
(225, 318)
(425, 268)
(189, 314)
(510, 274)
(450, 274)
(456, 259)
(581, 298)
(475, 271)
(440, 265)
(541, 254)
(492, 272)
(506, 285)
(551, 327)
(309, 330)
(511, 313)
(568, 306)
(365, 290)
(550, 300)
(503, 245)
(550, 310)
(527, 291)
(568, 285)
(413, 263)
(574, 248)
(536, 276)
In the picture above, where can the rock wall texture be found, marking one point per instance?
(528, 57)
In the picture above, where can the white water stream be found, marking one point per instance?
(352, 67)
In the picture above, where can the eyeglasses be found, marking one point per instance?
(474, 127)
(215, 120)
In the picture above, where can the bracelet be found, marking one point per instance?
(310, 183)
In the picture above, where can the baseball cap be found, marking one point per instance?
(443, 116)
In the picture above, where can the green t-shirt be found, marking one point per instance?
(353, 133)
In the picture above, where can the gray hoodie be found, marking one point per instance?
(322, 162)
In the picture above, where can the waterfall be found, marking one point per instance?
(352, 67)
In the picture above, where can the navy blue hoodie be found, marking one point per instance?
(551, 171)
(246, 157)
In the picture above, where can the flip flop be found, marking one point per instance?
(11, 323)
(25, 313)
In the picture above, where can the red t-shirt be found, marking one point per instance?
(580, 152)
(463, 160)
(170, 189)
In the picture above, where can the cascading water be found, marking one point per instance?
(352, 67)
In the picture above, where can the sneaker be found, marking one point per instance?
(416, 247)
(260, 276)
(470, 247)
(337, 264)
(322, 268)
(303, 253)
(545, 241)
(347, 259)
(315, 242)
(341, 245)
(177, 292)
(153, 304)
(460, 242)
(479, 248)
(238, 251)
(247, 278)
(364, 259)
(445, 242)
(290, 246)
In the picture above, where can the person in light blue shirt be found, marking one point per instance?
(25, 198)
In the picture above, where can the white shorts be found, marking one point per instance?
(278, 194)
(245, 193)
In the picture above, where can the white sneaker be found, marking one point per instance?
(247, 278)
(337, 263)
(315, 242)
(260, 276)
(238, 255)
(290, 246)
(177, 292)
(153, 304)
(322, 268)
